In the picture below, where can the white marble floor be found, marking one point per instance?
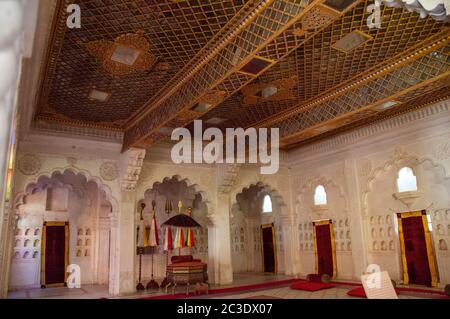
(240, 279)
(99, 291)
(287, 293)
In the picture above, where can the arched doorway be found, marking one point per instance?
(167, 194)
(257, 243)
(85, 206)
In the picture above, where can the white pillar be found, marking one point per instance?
(288, 244)
(126, 244)
(219, 242)
(358, 222)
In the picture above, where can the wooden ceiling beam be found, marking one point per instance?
(416, 72)
(266, 33)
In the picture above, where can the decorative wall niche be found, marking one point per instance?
(57, 199)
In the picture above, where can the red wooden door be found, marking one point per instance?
(55, 254)
(415, 247)
(324, 250)
(268, 249)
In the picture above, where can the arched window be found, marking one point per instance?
(406, 181)
(267, 204)
(320, 196)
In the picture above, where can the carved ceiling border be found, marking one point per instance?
(382, 125)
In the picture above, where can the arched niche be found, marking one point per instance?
(307, 210)
(247, 216)
(167, 193)
(380, 202)
(32, 209)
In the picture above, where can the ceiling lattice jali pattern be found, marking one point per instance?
(199, 48)
(319, 67)
(176, 31)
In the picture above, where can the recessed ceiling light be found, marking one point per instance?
(99, 95)
(267, 92)
(386, 105)
(125, 55)
(215, 120)
(351, 41)
(201, 107)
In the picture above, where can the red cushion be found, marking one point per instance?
(311, 286)
(181, 259)
(359, 292)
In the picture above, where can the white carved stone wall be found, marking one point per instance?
(331, 177)
(359, 170)
(84, 208)
(173, 189)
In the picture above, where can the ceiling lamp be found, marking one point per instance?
(215, 120)
(386, 105)
(351, 41)
(96, 95)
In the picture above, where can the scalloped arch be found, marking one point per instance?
(266, 188)
(33, 184)
(397, 163)
(312, 183)
(189, 184)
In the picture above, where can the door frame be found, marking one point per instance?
(275, 259)
(322, 222)
(43, 251)
(428, 243)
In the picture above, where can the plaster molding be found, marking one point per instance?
(440, 111)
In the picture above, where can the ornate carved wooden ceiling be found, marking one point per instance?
(158, 65)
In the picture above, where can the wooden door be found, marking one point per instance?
(54, 253)
(269, 248)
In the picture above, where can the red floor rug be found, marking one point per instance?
(400, 289)
(311, 286)
(238, 289)
(359, 292)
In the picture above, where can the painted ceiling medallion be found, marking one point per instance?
(318, 17)
(129, 53)
(274, 91)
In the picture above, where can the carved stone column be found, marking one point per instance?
(357, 222)
(288, 243)
(222, 240)
(219, 241)
(123, 232)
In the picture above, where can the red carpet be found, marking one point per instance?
(399, 289)
(265, 285)
(359, 292)
(311, 286)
